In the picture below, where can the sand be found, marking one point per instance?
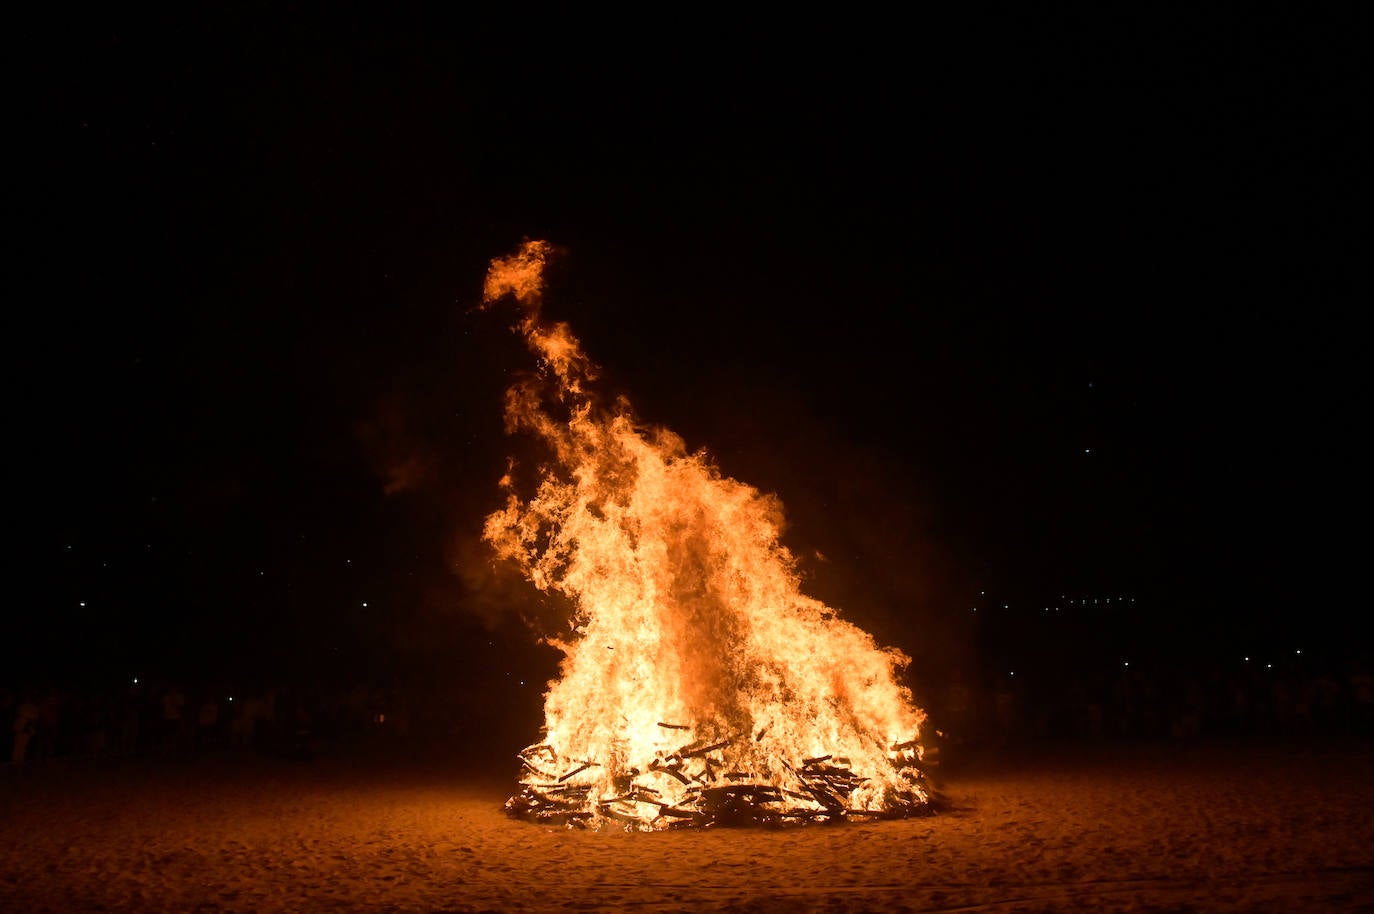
(1035, 828)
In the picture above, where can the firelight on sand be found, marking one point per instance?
(699, 686)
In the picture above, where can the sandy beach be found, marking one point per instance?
(1037, 828)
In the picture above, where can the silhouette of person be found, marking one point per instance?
(173, 710)
(26, 721)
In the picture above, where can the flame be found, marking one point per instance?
(698, 681)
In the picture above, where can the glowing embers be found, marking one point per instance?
(697, 786)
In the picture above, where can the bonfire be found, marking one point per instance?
(699, 685)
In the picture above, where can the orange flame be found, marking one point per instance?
(696, 674)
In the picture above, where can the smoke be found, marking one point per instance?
(422, 440)
(495, 591)
(399, 454)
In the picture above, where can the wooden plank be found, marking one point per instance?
(583, 767)
(705, 749)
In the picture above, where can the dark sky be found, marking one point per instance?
(1043, 307)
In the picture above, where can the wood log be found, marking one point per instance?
(705, 749)
(534, 770)
(711, 796)
(583, 767)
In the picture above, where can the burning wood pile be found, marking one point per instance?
(685, 606)
(709, 791)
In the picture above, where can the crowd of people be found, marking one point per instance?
(1177, 703)
(40, 723)
(43, 722)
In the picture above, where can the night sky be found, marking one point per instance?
(1009, 311)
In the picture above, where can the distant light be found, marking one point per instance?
(364, 604)
(135, 680)
(1087, 450)
(82, 603)
(1125, 663)
(231, 698)
(980, 593)
(1299, 653)
(1268, 666)
(1247, 659)
(1012, 673)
